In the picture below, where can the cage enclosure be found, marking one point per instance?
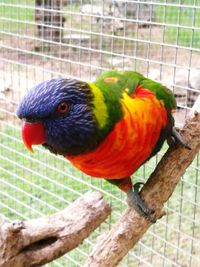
(43, 39)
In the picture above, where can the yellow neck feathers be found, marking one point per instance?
(100, 109)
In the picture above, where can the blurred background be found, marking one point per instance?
(43, 39)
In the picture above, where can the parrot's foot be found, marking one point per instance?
(134, 200)
(178, 138)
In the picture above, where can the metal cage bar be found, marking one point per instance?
(43, 39)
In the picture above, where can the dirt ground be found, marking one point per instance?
(26, 61)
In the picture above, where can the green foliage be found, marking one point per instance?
(180, 22)
(16, 15)
(41, 183)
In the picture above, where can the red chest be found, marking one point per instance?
(130, 142)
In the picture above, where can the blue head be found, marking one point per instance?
(58, 114)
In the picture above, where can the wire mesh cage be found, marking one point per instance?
(43, 39)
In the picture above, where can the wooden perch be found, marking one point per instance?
(36, 242)
(114, 245)
(39, 241)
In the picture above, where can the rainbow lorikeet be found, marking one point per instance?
(107, 128)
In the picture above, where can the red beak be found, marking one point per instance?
(33, 134)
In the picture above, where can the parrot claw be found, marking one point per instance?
(178, 138)
(134, 200)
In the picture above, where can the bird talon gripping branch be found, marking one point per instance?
(107, 128)
(178, 138)
(134, 200)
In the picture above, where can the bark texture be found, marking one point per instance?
(114, 245)
(39, 241)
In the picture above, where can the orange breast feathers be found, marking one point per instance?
(130, 142)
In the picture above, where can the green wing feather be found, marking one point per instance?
(129, 80)
(108, 89)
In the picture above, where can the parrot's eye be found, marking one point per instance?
(62, 107)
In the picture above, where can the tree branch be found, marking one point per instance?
(39, 241)
(114, 245)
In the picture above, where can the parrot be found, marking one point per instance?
(107, 128)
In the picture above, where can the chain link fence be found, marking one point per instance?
(43, 39)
